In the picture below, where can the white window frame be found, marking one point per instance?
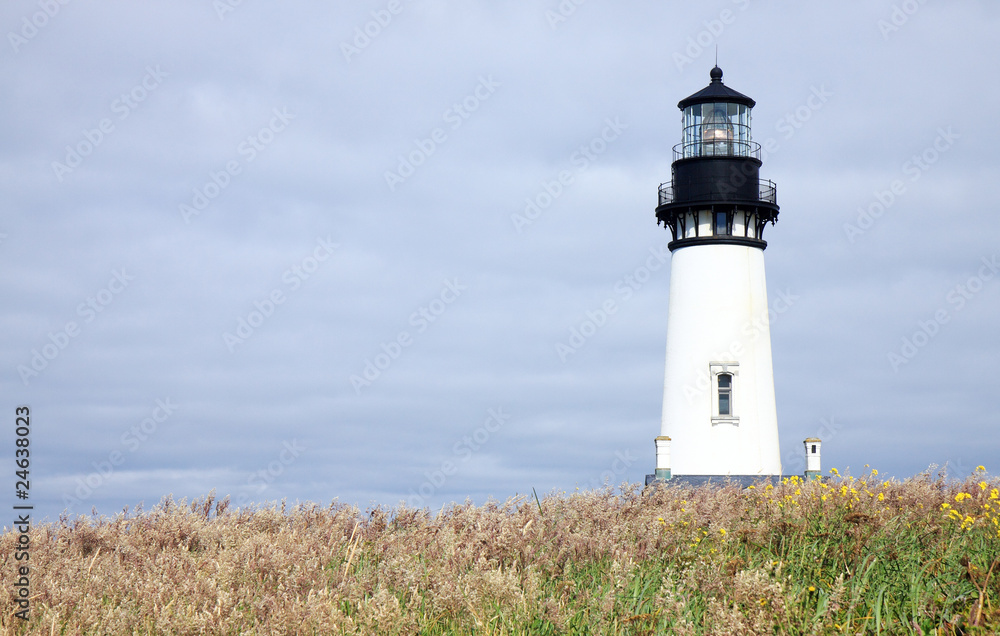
(731, 369)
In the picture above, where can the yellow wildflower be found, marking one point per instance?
(722, 531)
(881, 497)
(834, 471)
(812, 588)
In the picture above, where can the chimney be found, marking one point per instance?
(813, 470)
(662, 457)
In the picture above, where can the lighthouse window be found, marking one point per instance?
(814, 448)
(725, 393)
(720, 223)
(725, 376)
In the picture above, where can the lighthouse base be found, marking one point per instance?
(743, 481)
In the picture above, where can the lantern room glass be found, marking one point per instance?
(717, 129)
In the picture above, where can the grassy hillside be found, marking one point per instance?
(839, 556)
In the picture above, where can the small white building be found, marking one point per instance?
(813, 468)
(719, 416)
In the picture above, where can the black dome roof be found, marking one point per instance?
(716, 91)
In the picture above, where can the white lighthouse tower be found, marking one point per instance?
(719, 416)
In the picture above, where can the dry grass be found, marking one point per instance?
(843, 555)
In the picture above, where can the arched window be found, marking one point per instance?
(724, 401)
(725, 394)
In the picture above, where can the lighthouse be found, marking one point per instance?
(719, 417)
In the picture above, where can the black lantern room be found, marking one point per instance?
(716, 194)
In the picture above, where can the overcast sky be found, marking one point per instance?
(285, 250)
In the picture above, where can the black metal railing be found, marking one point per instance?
(710, 190)
(767, 191)
(718, 148)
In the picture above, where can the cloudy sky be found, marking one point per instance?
(315, 251)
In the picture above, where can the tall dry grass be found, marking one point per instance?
(843, 555)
